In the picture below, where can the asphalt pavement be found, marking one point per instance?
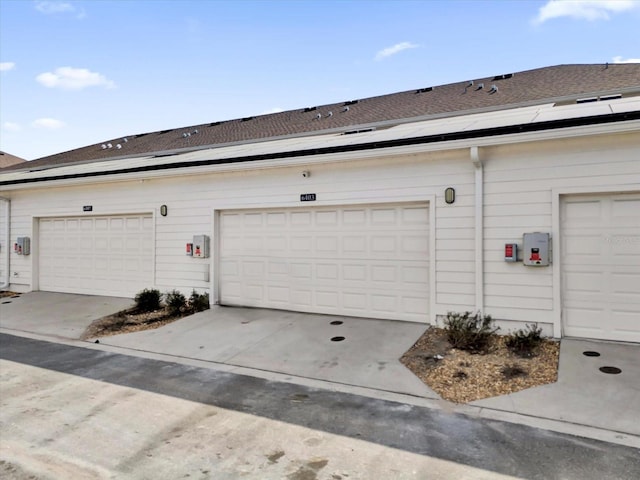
(493, 447)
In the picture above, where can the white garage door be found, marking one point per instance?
(96, 255)
(367, 261)
(601, 267)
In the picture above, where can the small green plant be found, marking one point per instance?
(469, 332)
(147, 300)
(525, 342)
(176, 302)
(198, 301)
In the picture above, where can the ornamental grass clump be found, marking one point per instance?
(467, 331)
(525, 342)
(147, 300)
(198, 302)
(176, 302)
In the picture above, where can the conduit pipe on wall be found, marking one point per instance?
(479, 227)
(7, 238)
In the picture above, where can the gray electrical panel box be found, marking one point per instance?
(536, 250)
(200, 246)
(22, 246)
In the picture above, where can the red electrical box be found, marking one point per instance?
(511, 252)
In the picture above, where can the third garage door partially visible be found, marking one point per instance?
(366, 261)
(601, 267)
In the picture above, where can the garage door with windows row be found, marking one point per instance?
(367, 261)
(110, 255)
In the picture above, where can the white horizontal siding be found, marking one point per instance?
(3, 242)
(191, 201)
(519, 184)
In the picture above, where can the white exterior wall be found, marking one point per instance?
(4, 246)
(523, 187)
(192, 200)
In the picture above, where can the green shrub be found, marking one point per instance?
(147, 300)
(176, 302)
(198, 302)
(525, 342)
(469, 332)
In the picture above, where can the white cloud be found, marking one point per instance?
(619, 59)
(6, 66)
(584, 9)
(70, 78)
(52, 8)
(397, 48)
(48, 123)
(11, 127)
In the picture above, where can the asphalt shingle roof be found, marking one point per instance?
(562, 83)
(8, 160)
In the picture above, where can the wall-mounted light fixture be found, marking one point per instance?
(449, 195)
(163, 210)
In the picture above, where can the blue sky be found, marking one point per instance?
(73, 73)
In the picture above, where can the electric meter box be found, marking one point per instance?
(200, 247)
(22, 246)
(536, 249)
(510, 252)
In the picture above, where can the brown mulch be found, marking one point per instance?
(463, 377)
(7, 293)
(128, 321)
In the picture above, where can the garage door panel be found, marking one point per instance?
(601, 266)
(626, 283)
(302, 298)
(362, 261)
(625, 325)
(96, 255)
(414, 305)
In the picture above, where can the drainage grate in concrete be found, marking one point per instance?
(9, 301)
(611, 370)
(337, 339)
(590, 353)
(337, 322)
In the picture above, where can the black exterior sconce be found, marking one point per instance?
(449, 195)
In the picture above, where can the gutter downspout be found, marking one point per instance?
(479, 227)
(7, 237)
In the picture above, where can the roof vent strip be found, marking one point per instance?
(362, 130)
(351, 102)
(502, 77)
(310, 109)
(587, 100)
(424, 90)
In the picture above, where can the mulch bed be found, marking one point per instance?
(461, 377)
(128, 321)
